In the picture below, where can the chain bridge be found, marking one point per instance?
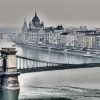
(12, 65)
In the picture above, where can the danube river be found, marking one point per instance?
(75, 84)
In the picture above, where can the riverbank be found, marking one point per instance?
(51, 48)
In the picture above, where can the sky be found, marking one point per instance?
(52, 12)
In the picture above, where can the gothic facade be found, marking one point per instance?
(34, 26)
(36, 32)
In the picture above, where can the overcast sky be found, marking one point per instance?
(52, 12)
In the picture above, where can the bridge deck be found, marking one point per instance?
(26, 65)
(59, 67)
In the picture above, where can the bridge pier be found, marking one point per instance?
(9, 74)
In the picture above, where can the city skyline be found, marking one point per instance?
(52, 12)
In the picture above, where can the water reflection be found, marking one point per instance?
(53, 56)
(9, 95)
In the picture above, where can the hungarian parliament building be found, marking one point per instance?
(37, 33)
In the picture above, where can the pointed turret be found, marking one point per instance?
(35, 13)
(42, 24)
(24, 27)
(25, 23)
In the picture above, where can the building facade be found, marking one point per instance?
(97, 41)
(89, 41)
(36, 32)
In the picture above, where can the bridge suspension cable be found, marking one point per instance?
(25, 62)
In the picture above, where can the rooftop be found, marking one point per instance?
(65, 33)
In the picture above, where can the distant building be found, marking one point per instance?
(80, 37)
(55, 35)
(70, 40)
(36, 32)
(7, 35)
(89, 41)
(55, 38)
(79, 40)
(63, 38)
(67, 39)
(97, 41)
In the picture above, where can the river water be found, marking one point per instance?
(76, 84)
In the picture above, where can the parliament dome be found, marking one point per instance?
(35, 19)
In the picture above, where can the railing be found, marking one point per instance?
(24, 62)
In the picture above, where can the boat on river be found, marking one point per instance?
(88, 54)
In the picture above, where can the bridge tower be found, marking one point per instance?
(9, 74)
